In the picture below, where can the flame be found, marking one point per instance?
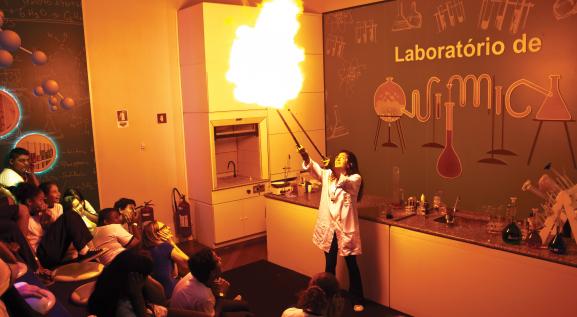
(264, 59)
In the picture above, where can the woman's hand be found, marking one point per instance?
(220, 287)
(304, 155)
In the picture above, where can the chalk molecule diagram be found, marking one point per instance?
(10, 43)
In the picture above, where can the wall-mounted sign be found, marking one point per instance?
(122, 118)
(9, 113)
(43, 151)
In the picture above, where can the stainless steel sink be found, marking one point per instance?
(232, 181)
(461, 220)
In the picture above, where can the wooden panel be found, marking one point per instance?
(313, 71)
(282, 145)
(204, 223)
(374, 262)
(236, 193)
(193, 86)
(220, 25)
(197, 140)
(310, 35)
(254, 215)
(191, 35)
(309, 109)
(432, 276)
(227, 221)
(289, 237)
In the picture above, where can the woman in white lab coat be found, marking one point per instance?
(336, 231)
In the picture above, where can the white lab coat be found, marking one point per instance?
(337, 211)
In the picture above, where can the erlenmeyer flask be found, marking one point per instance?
(557, 245)
(448, 163)
(553, 107)
(534, 240)
(512, 234)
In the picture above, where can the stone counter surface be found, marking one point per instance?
(470, 230)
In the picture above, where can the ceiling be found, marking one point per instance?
(317, 6)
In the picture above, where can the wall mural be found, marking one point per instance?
(495, 76)
(44, 98)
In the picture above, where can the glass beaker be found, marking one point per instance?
(512, 233)
(496, 222)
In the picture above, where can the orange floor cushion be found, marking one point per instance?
(73, 272)
(82, 293)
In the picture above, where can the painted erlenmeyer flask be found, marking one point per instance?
(449, 163)
(553, 107)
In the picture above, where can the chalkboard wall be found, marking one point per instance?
(394, 68)
(55, 28)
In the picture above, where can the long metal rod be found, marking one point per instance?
(307, 135)
(289, 129)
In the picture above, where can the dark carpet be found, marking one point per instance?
(270, 289)
(62, 291)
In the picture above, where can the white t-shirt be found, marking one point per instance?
(34, 233)
(9, 177)
(112, 237)
(191, 294)
(296, 312)
(56, 211)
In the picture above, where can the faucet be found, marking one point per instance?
(233, 168)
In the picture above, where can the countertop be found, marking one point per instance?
(473, 231)
(236, 181)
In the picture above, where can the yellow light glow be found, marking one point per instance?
(264, 59)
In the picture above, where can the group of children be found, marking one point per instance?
(44, 229)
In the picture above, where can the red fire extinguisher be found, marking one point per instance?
(181, 210)
(147, 212)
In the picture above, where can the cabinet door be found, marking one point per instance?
(228, 221)
(254, 215)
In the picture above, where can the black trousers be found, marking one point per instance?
(68, 228)
(355, 283)
(9, 232)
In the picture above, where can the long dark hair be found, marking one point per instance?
(112, 284)
(351, 169)
(313, 301)
(332, 290)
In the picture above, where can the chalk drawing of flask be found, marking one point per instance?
(449, 163)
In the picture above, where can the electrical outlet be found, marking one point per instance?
(258, 188)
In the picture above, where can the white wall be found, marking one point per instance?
(132, 55)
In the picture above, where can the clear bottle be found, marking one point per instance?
(534, 239)
(557, 245)
(396, 184)
(512, 234)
